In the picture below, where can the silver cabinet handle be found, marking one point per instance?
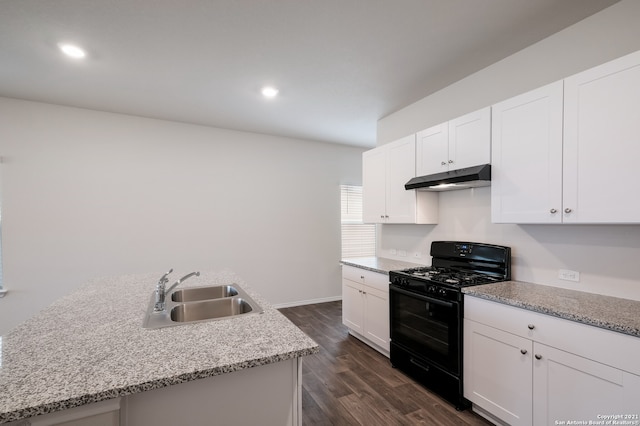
(443, 163)
(362, 277)
(538, 356)
(386, 216)
(567, 210)
(553, 211)
(450, 161)
(531, 326)
(523, 351)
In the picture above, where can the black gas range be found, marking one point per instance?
(426, 308)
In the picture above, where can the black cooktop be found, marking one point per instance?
(454, 265)
(448, 277)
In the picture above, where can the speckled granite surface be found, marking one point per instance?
(90, 346)
(378, 264)
(612, 313)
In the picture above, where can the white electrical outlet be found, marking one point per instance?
(393, 251)
(569, 275)
(417, 255)
(402, 253)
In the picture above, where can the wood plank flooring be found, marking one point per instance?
(349, 383)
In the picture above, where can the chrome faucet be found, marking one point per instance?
(161, 292)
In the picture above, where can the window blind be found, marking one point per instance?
(358, 239)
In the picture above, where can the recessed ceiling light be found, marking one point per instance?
(72, 50)
(269, 92)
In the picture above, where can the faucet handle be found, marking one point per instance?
(164, 278)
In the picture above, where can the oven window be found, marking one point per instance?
(426, 327)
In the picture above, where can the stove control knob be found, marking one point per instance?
(443, 292)
(405, 282)
(432, 289)
(396, 280)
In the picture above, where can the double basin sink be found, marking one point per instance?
(197, 304)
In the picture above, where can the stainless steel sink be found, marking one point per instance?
(219, 308)
(198, 304)
(203, 293)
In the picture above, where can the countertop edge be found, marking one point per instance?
(377, 264)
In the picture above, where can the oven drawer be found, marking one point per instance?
(430, 375)
(364, 276)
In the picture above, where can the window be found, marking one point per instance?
(358, 239)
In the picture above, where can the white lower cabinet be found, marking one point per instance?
(497, 372)
(525, 368)
(567, 386)
(365, 306)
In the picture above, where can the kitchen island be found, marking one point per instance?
(89, 347)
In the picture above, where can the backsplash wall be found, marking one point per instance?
(606, 256)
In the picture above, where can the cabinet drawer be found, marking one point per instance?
(369, 278)
(604, 346)
(504, 317)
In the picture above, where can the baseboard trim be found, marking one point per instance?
(307, 302)
(369, 343)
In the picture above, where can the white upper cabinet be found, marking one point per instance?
(374, 185)
(385, 171)
(526, 157)
(432, 150)
(456, 144)
(568, 152)
(602, 143)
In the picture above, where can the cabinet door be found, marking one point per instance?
(352, 306)
(470, 140)
(497, 372)
(526, 157)
(602, 143)
(374, 163)
(432, 150)
(569, 387)
(376, 317)
(401, 167)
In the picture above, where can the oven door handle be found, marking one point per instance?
(422, 297)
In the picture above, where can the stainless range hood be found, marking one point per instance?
(470, 177)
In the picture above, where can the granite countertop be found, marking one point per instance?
(606, 312)
(90, 346)
(378, 264)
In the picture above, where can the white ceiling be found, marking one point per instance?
(340, 65)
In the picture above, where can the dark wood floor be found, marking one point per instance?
(348, 383)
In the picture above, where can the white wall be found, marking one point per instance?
(606, 35)
(607, 257)
(88, 194)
